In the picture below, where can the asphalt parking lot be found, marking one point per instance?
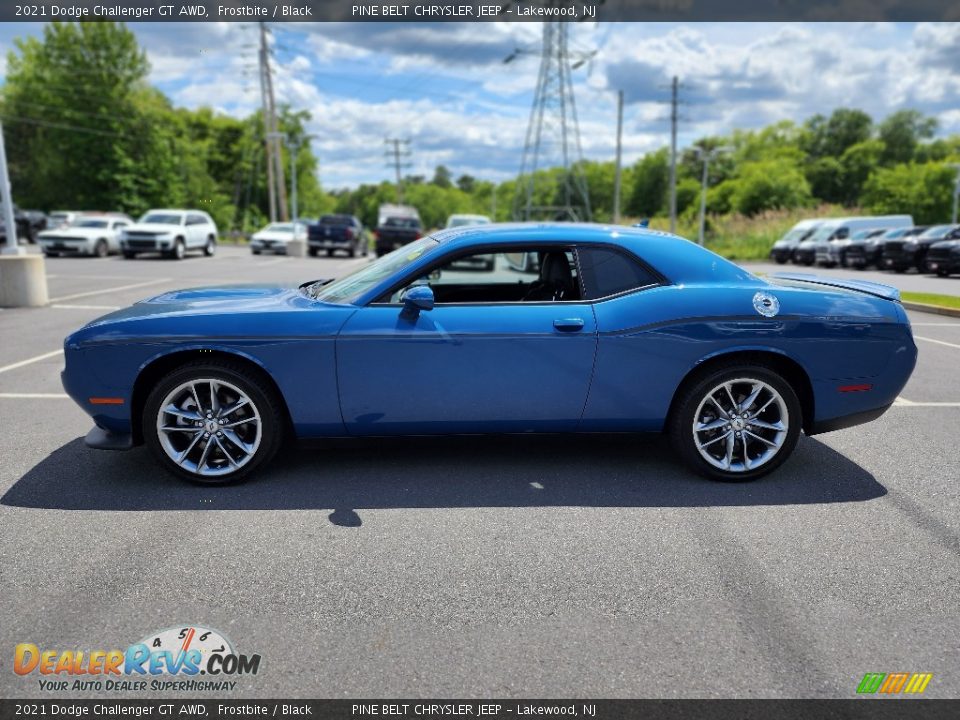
(481, 567)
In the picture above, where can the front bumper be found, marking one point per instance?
(277, 248)
(898, 258)
(75, 247)
(101, 439)
(943, 262)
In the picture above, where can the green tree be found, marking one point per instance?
(648, 178)
(441, 177)
(76, 130)
(769, 185)
(902, 132)
(924, 191)
(830, 137)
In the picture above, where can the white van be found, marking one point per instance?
(782, 250)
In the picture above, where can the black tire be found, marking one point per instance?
(943, 273)
(262, 398)
(51, 254)
(210, 249)
(312, 251)
(129, 255)
(255, 252)
(101, 250)
(179, 251)
(843, 259)
(352, 252)
(780, 259)
(330, 252)
(695, 390)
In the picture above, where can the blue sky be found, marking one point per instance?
(445, 86)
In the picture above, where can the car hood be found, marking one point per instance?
(79, 233)
(224, 300)
(153, 228)
(946, 244)
(272, 236)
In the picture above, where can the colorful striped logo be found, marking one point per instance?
(894, 683)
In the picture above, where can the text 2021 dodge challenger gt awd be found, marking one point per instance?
(498, 329)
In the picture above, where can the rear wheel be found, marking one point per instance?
(212, 423)
(210, 248)
(736, 423)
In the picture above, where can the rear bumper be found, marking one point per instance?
(858, 418)
(943, 263)
(898, 259)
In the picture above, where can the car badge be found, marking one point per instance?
(766, 304)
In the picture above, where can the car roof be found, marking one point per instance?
(679, 259)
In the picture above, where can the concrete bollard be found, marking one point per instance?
(297, 248)
(23, 281)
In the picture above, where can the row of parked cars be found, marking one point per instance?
(170, 232)
(887, 242)
(397, 226)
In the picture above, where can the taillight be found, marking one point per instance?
(376, 234)
(349, 233)
(418, 235)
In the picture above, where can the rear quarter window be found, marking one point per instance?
(606, 272)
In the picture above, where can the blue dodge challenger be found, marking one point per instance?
(549, 328)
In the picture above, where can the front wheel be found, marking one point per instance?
(101, 250)
(212, 423)
(179, 250)
(736, 423)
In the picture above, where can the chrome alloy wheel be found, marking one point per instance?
(740, 425)
(209, 427)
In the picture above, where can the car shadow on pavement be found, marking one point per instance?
(449, 472)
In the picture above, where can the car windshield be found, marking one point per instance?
(823, 233)
(351, 286)
(161, 219)
(335, 220)
(402, 222)
(90, 223)
(937, 231)
(464, 221)
(861, 234)
(279, 227)
(795, 235)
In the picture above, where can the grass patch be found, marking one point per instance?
(947, 301)
(738, 237)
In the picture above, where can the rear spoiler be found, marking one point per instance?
(865, 286)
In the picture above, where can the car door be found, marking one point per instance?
(507, 366)
(196, 225)
(113, 237)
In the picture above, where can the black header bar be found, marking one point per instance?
(481, 10)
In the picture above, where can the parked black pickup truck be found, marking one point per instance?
(397, 232)
(337, 232)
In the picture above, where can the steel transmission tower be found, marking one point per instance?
(553, 135)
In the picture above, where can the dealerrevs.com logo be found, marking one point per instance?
(171, 659)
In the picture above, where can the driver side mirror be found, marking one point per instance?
(417, 298)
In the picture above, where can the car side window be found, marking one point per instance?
(542, 274)
(196, 220)
(606, 272)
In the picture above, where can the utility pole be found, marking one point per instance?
(264, 64)
(274, 156)
(956, 195)
(616, 177)
(705, 155)
(674, 92)
(396, 156)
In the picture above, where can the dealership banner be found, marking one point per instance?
(480, 10)
(367, 709)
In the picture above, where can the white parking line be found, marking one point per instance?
(903, 402)
(938, 342)
(942, 324)
(271, 262)
(104, 291)
(86, 307)
(28, 361)
(34, 396)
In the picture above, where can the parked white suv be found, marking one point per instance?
(88, 234)
(171, 233)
